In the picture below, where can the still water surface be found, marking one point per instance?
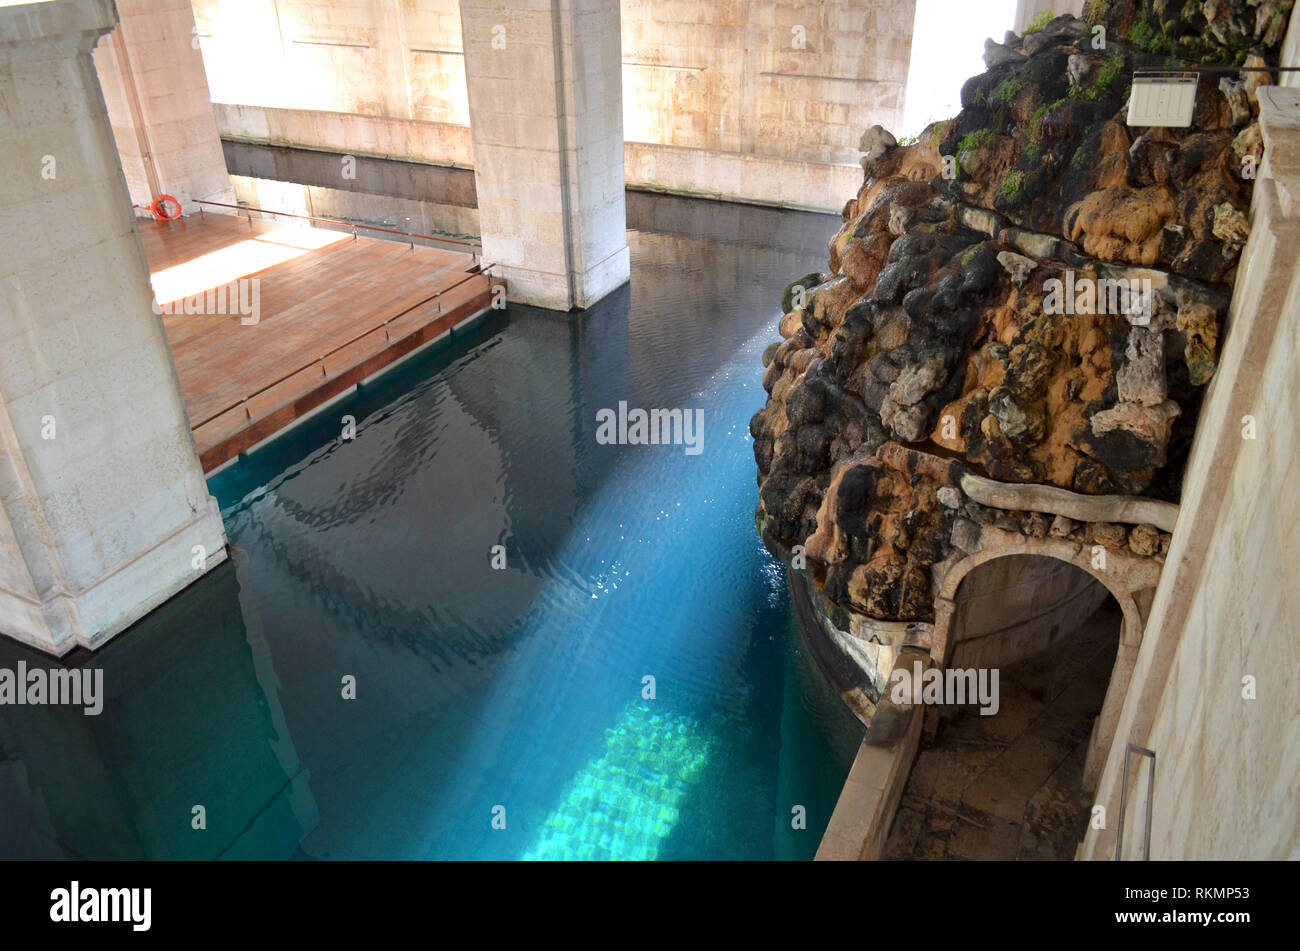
(515, 693)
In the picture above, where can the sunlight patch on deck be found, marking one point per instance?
(239, 260)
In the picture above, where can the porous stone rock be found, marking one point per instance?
(1148, 423)
(966, 535)
(1144, 540)
(1017, 266)
(1234, 90)
(996, 54)
(790, 322)
(1230, 223)
(1107, 534)
(1078, 68)
(1253, 78)
(1035, 43)
(1035, 525)
(914, 382)
(1199, 324)
(874, 143)
(900, 216)
(983, 313)
(1062, 527)
(1142, 378)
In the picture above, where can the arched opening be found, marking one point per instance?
(1008, 773)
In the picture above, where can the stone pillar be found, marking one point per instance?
(103, 505)
(546, 115)
(153, 81)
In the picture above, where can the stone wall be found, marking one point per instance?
(378, 58)
(383, 78)
(434, 143)
(774, 93)
(760, 101)
(1227, 748)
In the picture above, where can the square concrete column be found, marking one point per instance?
(546, 116)
(104, 512)
(151, 71)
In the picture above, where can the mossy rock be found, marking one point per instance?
(807, 282)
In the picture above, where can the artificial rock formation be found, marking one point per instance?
(1027, 298)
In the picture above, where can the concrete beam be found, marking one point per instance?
(546, 116)
(104, 513)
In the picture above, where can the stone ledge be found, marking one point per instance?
(860, 824)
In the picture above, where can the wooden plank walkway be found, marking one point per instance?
(305, 313)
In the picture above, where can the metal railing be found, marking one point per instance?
(343, 224)
(482, 271)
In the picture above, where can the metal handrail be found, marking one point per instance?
(482, 269)
(335, 221)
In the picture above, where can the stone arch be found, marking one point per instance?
(1129, 579)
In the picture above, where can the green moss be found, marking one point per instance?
(1094, 11)
(972, 140)
(1159, 45)
(1147, 36)
(1109, 70)
(1142, 32)
(1035, 132)
(969, 256)
(1012, 185)
(1105, 77)
(1039, 23)
(1009, 89)
(908, 140)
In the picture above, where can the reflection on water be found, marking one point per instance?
(190, 718)
(497, 713)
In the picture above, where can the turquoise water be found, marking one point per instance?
(499, 713)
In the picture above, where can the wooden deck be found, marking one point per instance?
(302, 315)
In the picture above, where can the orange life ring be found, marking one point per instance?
(160, 213)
